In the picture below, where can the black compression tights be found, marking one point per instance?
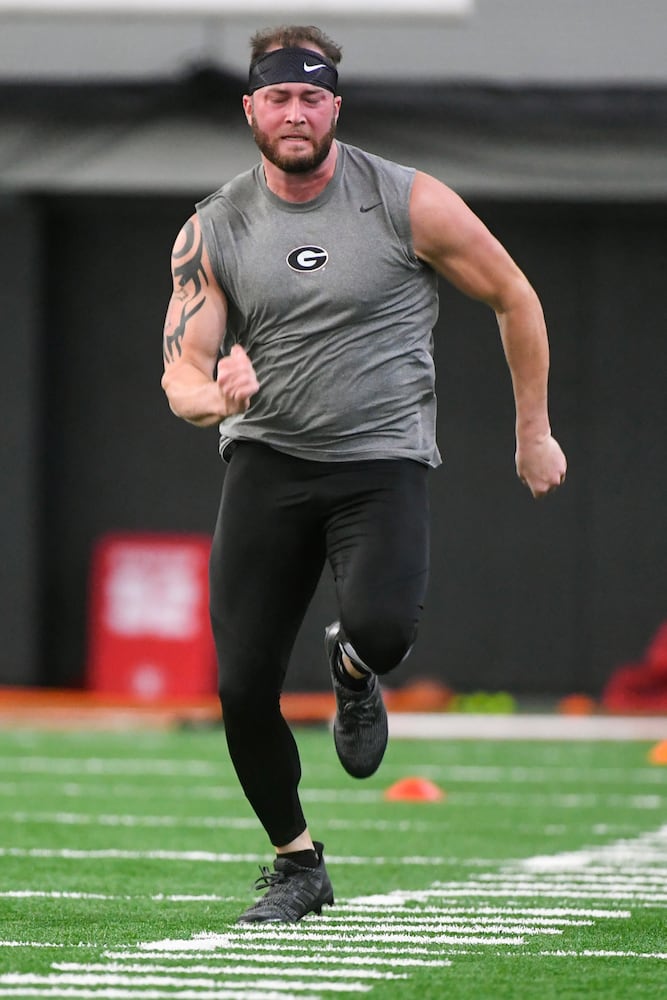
(280, 519)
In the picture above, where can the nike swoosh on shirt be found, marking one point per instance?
(309, 69)
(369, 208)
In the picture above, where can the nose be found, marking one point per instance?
(294, 113)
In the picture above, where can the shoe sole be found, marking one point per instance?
(317, 910)
(360, 771)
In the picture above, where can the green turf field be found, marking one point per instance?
(125, 858)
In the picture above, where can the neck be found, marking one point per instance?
(300, 187)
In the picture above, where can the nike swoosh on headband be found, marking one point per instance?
(292, 65)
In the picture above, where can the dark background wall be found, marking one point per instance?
(536, 598)
(20, 319)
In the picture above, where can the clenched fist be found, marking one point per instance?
(540, 464)
(236, 380)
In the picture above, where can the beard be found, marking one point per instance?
(294, 163)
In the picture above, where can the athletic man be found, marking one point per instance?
(315, 276)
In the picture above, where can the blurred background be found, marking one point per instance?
(549, 118)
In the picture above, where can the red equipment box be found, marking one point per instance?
(149, 630)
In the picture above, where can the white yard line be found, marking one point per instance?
(210, 791)
(559, 800)
(225, 970)
(113, 993)
(98, 980)
(396, 900)
(521, 726)
(459, 773)
(132, 820)
(463, 936)
(551, 891)
(348, 950)
(84, 767)
(26, 764)
(445, 917)
(212, 857)
(525, 726)
(44, 944)
(327, 955)
(157, 897)
(588, 953)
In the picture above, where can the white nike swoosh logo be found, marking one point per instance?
(309, 69)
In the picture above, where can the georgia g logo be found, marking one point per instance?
(307, 258)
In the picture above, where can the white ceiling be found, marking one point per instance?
(577, 41)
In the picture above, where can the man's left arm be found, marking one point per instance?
(449, 236)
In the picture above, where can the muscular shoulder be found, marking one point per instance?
(375, 180)
(190, 264)
(442, 223)
(452, 239)
(232, 196)
(386, 172)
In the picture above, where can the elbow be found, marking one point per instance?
(517, 296)
(166, 383)
(165, 380)
(184, 405)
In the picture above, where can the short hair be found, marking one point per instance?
(288, 36)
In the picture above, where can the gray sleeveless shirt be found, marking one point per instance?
(334, 310)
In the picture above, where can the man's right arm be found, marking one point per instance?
(200, 388)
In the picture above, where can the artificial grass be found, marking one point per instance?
(66, 798)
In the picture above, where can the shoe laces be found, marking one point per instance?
(269, 878)
(361, 709)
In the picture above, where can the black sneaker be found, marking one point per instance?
(360, 727)
(293, 892)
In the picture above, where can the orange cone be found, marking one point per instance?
(577, 704)
(414, 790)
(658, 753)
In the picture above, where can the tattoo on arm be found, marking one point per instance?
(173, 340)
(190, 274)
(190, 280)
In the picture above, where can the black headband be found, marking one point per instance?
(293, 66)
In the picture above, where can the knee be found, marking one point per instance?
(235, 698)
(249, 679)
(247, 711)
(381, 644)
(242, 696)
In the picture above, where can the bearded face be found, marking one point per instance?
(296, 152)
